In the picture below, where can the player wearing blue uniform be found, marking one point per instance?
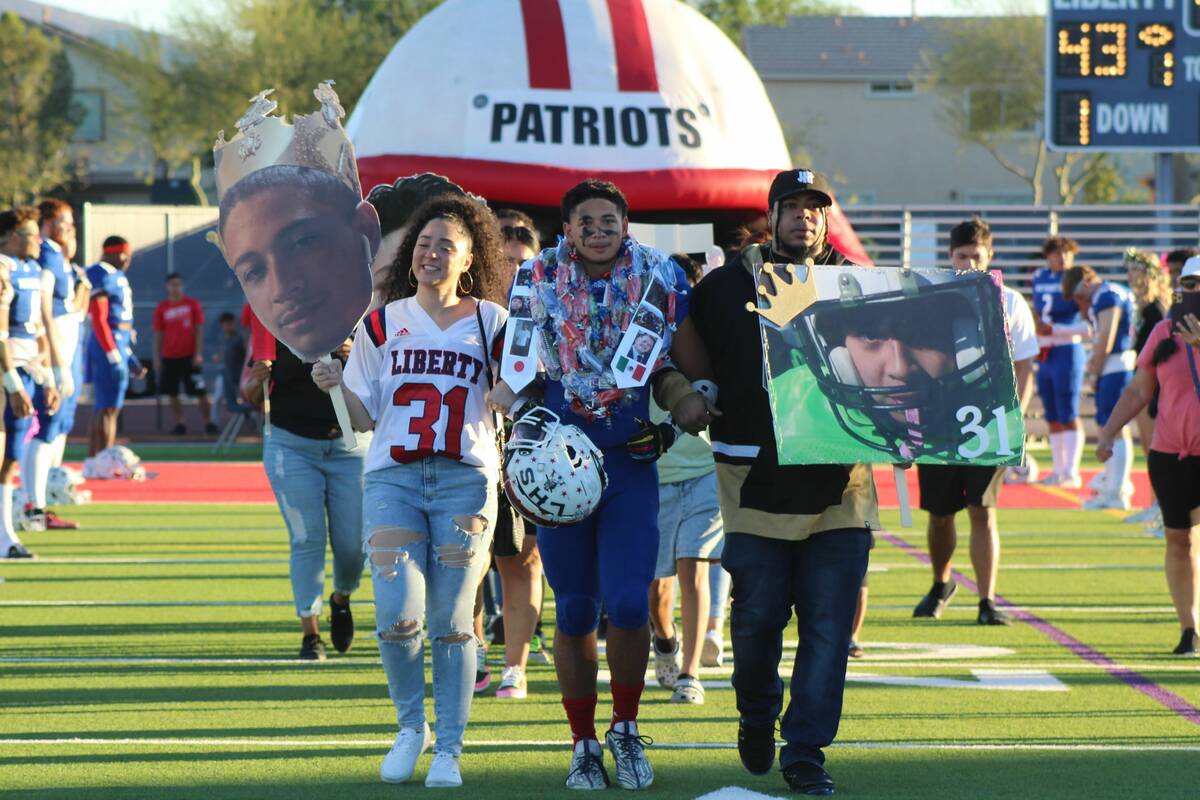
(596, 277)
(110, 359)
(65, 295)
(1061, 330)
(1109, 307)
(20, 243)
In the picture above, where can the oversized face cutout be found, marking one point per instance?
(304, 263)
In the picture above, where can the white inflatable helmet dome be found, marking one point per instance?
(553, 473)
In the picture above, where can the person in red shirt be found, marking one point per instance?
(179, 352)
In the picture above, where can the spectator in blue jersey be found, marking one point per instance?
(20, 244)
(63, 303)
(1061, 330)
(110, 359)
(1109, 307)
(610, 555)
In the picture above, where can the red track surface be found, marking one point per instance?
(240, 482)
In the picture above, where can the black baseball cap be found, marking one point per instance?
(797, 181)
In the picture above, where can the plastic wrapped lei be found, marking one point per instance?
(579, 336)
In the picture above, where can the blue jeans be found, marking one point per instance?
(819, 577)
(428, 531)
(318, 485)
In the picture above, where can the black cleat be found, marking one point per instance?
(990, 615)
(341, 625)
(756, 747)
(312, 648)
(808, 778)
(18, 551)
(1187, 643)
(933, 604)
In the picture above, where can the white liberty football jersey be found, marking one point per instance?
(425, 387)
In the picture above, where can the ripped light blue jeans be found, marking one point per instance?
(427, 529)
(318, 485)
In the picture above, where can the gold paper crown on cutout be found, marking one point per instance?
(782, 299)
(315, 140)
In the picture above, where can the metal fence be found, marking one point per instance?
(919, 236)
(165, 239)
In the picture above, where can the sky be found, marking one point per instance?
(156, 13)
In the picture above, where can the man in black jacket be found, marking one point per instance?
(795, 535)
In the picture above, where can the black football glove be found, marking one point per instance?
(651, 441)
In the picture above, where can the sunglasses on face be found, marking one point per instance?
(522, 235)
(1190, 283)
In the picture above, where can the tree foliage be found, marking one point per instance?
(197, 82)
(732, 16)
(990, 75)
(38, 115)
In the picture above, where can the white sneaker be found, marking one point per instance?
(31, 522)
(688, 690)
(667, 666)
(587, 766)
(1147, 514)
(1103, 501)
(401, 760)
(1070, 482)
(1051, 479)
(628, 749)
(512, 684)
(712, 654)
(443, 772)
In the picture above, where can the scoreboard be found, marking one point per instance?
(1123, 75)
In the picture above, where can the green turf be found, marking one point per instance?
(292, 730)
(180, 451)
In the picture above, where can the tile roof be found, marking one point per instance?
(851, 47)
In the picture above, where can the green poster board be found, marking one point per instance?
(889, 366)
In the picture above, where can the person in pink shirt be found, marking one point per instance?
(1170, 362)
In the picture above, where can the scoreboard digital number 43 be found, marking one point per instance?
(1123, 75)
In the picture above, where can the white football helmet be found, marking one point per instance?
(62, 487)
(115, 463)
(1026, 473)
(553, 474)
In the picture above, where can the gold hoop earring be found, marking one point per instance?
(412, 279)
(468, 289)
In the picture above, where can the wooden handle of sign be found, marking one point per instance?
(266, 412)
(341, 411)
(901, 476)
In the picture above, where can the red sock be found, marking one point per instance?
(581, 716)
(625, 701)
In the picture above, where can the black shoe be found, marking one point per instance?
(341, 626)
(312, 648)
(756, 746)
(1186, 646)
(179, 430)
(211, 429)
(933, 604)
(808, 778)
(990, 615)
(18, 551)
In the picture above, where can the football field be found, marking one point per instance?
(152, 655)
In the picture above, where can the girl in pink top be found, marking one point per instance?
(1170, 361)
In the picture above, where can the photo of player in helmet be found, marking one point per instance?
(912, 364)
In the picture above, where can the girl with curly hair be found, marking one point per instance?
(417, 375)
